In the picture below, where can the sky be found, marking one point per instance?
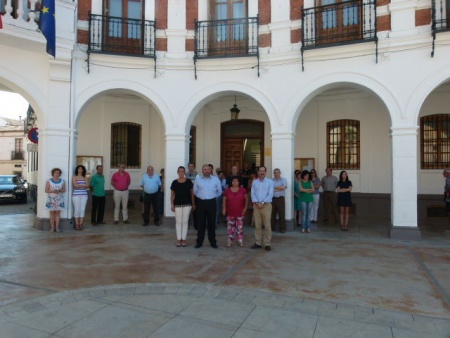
(13, 105)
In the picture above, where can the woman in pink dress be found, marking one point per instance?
(235, 204)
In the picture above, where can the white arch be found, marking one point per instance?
(209, 93)
(90, 93)
(424, 89)
(33, 94)
(321, 84)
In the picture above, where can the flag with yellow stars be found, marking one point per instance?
(47, 24)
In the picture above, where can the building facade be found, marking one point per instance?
(13, 154)
(361, 86)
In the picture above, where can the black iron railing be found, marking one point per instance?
(116, 35)
(339, 23)
(17, 155)
(226, 38)
(440, 16)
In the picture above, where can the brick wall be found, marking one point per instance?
(161, 13)
(296, 9)
(423, 17)
(84, 6)
(264, 12)
(384, 23)
(191, 13)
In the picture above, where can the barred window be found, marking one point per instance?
(126, 144)
(343, 146)
(435, 141)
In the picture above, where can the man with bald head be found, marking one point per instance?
(151, 184)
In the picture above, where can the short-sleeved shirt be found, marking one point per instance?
(97, 182)
(150, 184)
(329, 183)
(235, 201)
(121, 182)
(182, 192)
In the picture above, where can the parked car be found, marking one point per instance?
(12, 188)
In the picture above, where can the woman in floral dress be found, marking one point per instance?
(55, 187)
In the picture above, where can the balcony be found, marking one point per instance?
(339, 23)
(17, 155)
(226, 38)
(440, 15)
(122, 36)
(24, 14)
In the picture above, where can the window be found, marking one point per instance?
(339, 20)
(434, 141)
(343, 146)
(126, 144)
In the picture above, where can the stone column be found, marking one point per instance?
(404, 184)
(283, 158)
(177, 154)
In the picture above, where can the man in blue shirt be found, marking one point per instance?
(206, 189)
(151, 184)
(262, 194)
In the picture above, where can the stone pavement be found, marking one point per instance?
(132, 281)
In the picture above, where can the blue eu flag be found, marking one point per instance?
(47, 24)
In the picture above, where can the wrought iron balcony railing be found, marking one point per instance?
(339, 23)
(123, 36)
(226, 38)
(440, 16)
(17, 155)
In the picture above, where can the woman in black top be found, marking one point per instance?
(182, 201)
(344, 187)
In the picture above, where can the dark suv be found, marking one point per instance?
(12, 188)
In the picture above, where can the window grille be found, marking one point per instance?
(126, 145)
(434, 141)
(343, 144)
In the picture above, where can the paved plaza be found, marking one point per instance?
(132, 281)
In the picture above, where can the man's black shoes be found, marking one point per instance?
(214, 246)
(198, 246)
(256, 246)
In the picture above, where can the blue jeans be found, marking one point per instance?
(306, 212)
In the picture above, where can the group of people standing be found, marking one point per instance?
(55, 187)
(196, 197)
(307, 196)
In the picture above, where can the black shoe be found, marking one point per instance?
(101, 223)
(145, 224)
(214, 246)
(93, 223)
(198, 246)
(157, 223)
(256, 246)
(126, 222)
(267, 248)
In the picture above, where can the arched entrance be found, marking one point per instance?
(242, 142)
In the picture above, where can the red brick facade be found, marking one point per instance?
(384, 23)
(264, 11)
(296, 9)
(191, 13)
(423, 17)
(161, 11)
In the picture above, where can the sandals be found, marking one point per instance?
(179, 244)
(183, 243)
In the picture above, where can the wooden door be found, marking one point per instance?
(228, 36)
(339, 21)
(124, 26)
(232, 154)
